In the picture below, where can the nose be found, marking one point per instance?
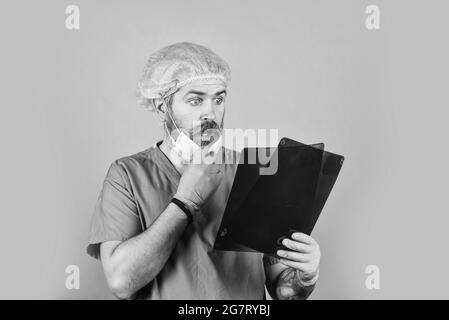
(208, 112)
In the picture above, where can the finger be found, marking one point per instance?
(295, 256)
(218, 169)
(297, 246)
(212, 171)
(213, 168)
(302, 237)
(208, 159)
(293, 264)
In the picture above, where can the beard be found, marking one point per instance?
(207, 134)
(203, 134)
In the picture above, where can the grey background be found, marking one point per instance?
(309, 68)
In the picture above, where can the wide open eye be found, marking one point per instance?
(195, 101)
(219, 100)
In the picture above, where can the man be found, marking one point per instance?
(159, 211)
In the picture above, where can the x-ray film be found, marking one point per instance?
(264, 207)
(252, 161)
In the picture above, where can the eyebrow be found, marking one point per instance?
(203, 93)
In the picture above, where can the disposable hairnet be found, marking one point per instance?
(176, 65)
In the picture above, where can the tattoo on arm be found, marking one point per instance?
(289, 286)
(269, 261)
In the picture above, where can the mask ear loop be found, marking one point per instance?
(155, 107)
(171, 118)
(176, 148)
(171, 140)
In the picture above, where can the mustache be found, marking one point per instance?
(206, 125)
(209, 125)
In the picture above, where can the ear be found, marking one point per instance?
(160, 109)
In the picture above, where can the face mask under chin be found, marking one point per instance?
(189, 151)
(190, 146)
(206, 138)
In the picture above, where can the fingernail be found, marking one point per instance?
(295, 236)
(281, 253)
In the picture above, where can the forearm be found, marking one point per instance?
(290, 287)
(138, 260)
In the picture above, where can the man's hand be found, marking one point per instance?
(295, 276)
(304, 255)
(198, 182)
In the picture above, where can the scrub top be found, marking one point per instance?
(136, 190)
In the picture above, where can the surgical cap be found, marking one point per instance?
(175, 66)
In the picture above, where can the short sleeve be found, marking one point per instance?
(115, 216)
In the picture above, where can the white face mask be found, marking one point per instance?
(187, 149)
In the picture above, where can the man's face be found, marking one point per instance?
(198, 110)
